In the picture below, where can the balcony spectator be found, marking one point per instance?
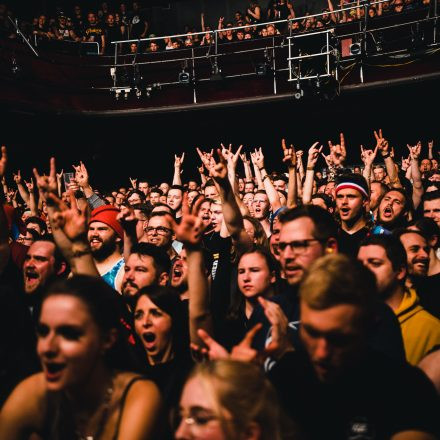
(94, 32)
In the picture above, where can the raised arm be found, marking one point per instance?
(247, 167)
(430, 150)
(331, 9)
(82, 178)
(129, 222)
(202, 21)
(190, 233)
(368, 157)
(312, 158)
(415, 174)
(72, 224)
(21, 189)
(384, 148)
(178, 162)
(32, 199)
(272, 193)
(231, 212)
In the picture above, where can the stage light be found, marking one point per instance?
(216, 73)
(184, 77)
(355, 49)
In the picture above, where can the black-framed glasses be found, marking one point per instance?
(297, 246)
(159, 230)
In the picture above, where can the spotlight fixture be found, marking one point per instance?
(184, 77)
(216, 73)
(355, 49)
(262, 69)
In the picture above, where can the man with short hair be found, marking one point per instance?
(147, 265)
(144, 186)
(261, 208)
(338, 387)
(385, 256)
(210, 191)
(159, 232)
(175, 199)
(41, 264)
(280, 182)
(431, 206)
(155, 195)
(105, 236)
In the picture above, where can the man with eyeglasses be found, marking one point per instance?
(308, 233)
(159, 232)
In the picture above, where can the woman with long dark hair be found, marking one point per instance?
(86, 389)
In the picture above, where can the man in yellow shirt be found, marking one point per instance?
(386, 257)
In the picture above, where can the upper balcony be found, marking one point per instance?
(67, 78)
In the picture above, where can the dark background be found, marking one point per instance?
(114, 148)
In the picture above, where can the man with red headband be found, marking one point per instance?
(106, 237)
(352, 200)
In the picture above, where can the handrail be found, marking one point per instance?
(18, 30)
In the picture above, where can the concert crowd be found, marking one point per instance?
(301, 303)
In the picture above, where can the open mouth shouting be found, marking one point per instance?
(53, 370)
(149, 340)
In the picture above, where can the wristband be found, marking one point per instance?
(267, 175)
(386, 155)
(310, 168)
(261, 169)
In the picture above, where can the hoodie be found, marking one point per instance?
(420, 329)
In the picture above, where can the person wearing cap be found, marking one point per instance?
(105, 236)
(352, 199)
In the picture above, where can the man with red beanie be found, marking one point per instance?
(106, 237)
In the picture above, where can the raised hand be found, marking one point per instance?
(70, 220)
(190, 230)
(338, 152)
(11, 195)
(244, 158)
(17, 177)
(47, 184)
(381, 143)
(133, 183)
(313, 155)
(244, 352)
(127, 218)
(81, 175)
(3, 162)
(414, 151)
(206, 158)
(289, 154)
(258, 158)
(368, 156)
(219, 171)
(60, 175)
(280, 342)
(406, 163)
(178, 161)
(30, 185)
(213, 351)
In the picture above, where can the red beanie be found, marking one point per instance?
(107, 214)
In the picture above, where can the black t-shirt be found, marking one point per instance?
(376, 398)
(112, 33)
(348, 244)
(137, 22)
(93, 32)
(220, 249)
